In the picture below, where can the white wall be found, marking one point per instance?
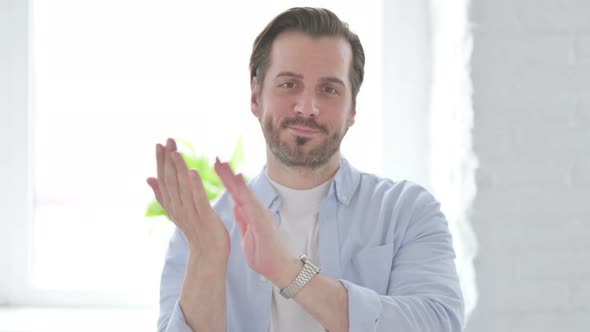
(14, 139)
(531, 77)
(406, 83)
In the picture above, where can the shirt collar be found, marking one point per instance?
(345, 184)
(264, 190)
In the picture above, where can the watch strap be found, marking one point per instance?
(308, 271)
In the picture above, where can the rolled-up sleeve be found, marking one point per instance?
(176, 322)
(171, 318)
(424, 291)
(364, 307)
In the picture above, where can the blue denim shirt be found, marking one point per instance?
(387, 242)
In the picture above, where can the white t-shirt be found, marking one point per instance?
(299, 228)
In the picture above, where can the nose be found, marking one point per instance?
(306, 106)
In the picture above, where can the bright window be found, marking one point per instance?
(111, 79)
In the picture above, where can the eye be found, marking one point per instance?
(287, 85)
(330, 90)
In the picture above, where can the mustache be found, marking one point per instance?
(305, 122)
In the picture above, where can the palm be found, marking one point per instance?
(261, 245)
(261, 241)
(181, 193)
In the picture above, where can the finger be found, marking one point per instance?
(243, 189)
(238, 187)
(171, 180)
(153, 183)
(240, 220)
(172, 143)
(160, 158)
(184, 183)
(199, 194)
(225, 176)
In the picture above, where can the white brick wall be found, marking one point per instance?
(531, 78)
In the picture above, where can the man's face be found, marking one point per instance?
(305, 104)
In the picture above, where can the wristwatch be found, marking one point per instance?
(308, 271)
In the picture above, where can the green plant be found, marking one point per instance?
(211, 182)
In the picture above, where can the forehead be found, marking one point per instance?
(310, 56)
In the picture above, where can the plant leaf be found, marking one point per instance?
(154, 209)
(188, 145)
(211, 181)
(191, 161)
(213, 191)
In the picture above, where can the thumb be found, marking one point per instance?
(153, 183)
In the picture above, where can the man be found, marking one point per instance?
(383, 247)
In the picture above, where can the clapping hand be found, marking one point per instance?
(181, 194)
(262, 243)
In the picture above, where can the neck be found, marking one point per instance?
(301, 178)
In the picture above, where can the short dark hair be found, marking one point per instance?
(317, 22)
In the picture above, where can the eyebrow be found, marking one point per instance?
(289, 73)
(330, 79)
(327, 79)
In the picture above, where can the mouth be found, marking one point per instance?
(303, 131)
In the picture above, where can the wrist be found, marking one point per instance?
(287, 272)
(213, 261)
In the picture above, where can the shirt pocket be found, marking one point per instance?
(371, 268)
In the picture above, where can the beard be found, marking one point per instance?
(297, 156)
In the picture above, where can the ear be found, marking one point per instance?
(255, 97)
(351, 117)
